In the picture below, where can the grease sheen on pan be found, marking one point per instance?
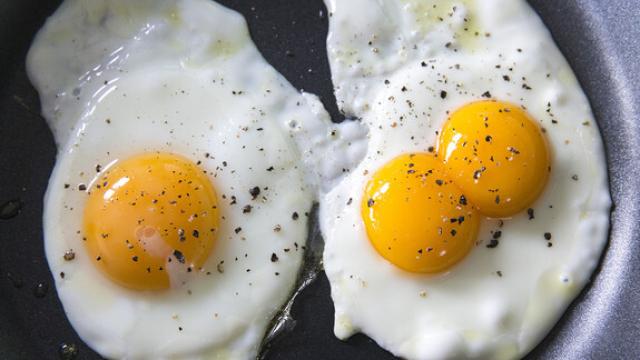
(174, 80)
(403, 67)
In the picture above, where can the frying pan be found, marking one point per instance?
(601, 40)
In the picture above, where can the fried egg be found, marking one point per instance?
(176, 216)
(481, 207)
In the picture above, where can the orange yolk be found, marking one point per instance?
(497, 154)
(146, 212)
(415, 217)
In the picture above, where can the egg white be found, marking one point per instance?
(401, 67)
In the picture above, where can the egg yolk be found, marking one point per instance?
(149, 213)
(415, 217)
(497, 154)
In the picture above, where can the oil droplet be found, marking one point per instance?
(10, 209)
(40, 290)
(17, 282)
(68, 351)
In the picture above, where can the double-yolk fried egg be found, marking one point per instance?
(176, 216)
(481, 207)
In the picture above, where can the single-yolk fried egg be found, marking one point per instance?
(176, 216)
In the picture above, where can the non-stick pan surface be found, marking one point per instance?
(601, 40)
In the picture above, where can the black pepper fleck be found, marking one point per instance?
(69, 255)
(493, 243)
(68, 351)
(179, 256)
(255, 191)
(531, 214)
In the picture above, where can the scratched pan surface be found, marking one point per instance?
(602, 42)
